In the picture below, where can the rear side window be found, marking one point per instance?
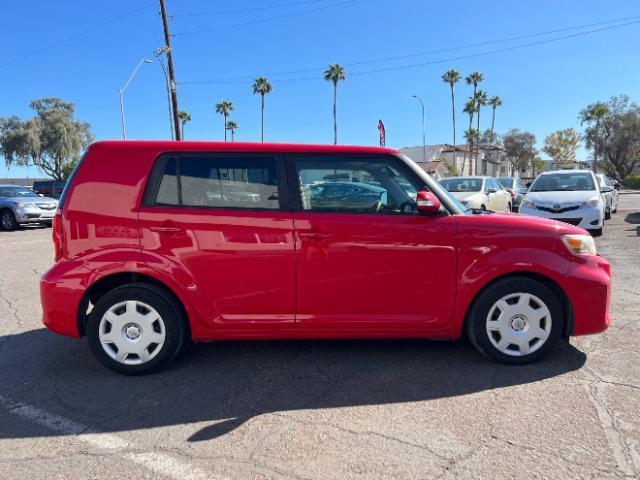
(219, 182)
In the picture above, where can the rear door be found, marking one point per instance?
(375, 266)
(221, 225)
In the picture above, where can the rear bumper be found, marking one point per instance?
(588, 286)
(61, 292)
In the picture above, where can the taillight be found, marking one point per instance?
(56, 233)
(513, 194)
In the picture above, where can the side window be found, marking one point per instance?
(330, 184)
(219, 182)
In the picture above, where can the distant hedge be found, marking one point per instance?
(632, 181)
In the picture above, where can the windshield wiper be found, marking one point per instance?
(478, 211)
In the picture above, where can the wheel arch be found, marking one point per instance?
(108, 282)
(551, 284)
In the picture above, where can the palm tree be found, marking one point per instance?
(184, 118)
(595, 113)
(231, 125)
(472, 136)
(262, 86)
(474, 78)
(224, 108)
(452, 77)
(481, 99)
(469, 108)
(334, 74)
(495, 102)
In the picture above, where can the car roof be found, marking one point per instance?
(572, 170)
(11, 185)
(468, 176)
(175, 146)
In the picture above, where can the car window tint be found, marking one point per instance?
(355, 186)
(168, 190)
(462, 184)
(233, 182)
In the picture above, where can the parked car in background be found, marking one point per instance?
(49, 188)
(516, 187)
(611, 198)
(19, 205)
(356, 195)
(483, 193)
(570, 196)
(150, 252)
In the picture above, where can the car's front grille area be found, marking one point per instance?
(572, 221)
(557, 210)
(46, 206)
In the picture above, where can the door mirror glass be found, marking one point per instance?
(606, 189)
(492, 190)
(427, 202)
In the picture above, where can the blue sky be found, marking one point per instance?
(543, 86)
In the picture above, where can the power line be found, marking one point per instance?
(75, 35)
(633, 19)
(247, 10)
(263, 20)
(237, 80)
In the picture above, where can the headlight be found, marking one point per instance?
(582, 245)
(594, 202)
(526, 203)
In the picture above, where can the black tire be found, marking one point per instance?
(8, 220)
(476, 319)
(509, 208)
(607, 214)
(167, 307)
(596, 232)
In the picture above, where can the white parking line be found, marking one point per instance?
(156, 462)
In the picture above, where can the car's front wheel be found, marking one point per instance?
(515, 320)
(136, 329)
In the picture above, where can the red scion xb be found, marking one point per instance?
(160, 243)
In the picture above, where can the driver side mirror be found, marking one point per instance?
(427, 202)
(492, 190)
(606, 189)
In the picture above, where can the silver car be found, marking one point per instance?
(20, 205)
(611, 197)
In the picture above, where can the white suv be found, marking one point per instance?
(570, 196)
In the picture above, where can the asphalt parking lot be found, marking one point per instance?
(320, 410)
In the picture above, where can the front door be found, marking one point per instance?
(368, 262)
(221, 224)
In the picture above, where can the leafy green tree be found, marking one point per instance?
(334, 74)
(495, 102)
(262, 86)
(520, 149)
(618, 136)
(562, 145)
(593, 115)
(224, 108)
(48, 141)
(232, 127)
(184, 118)
(452, 77)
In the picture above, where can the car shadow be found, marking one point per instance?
(226, 384)
(633, 218)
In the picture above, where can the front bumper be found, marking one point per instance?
(588, 286)
(589, 218)
(33, 215)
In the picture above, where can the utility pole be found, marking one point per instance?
(172, 78)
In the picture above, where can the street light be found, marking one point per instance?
(124, 130)
(424, 137)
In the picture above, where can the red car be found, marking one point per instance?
(160, 243)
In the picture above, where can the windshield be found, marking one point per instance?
(506, 182)
(459, 185)
(563, 182)
(9, 192)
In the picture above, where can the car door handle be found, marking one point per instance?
(168, 229)
(315, 235)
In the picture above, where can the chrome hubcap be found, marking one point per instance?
(518, 324)
(132, 332)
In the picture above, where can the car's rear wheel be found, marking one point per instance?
(8, 220)
(136, 329)
(515, 321)
(607, 214)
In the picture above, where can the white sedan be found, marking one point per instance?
(483, 193)
(570, 196)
